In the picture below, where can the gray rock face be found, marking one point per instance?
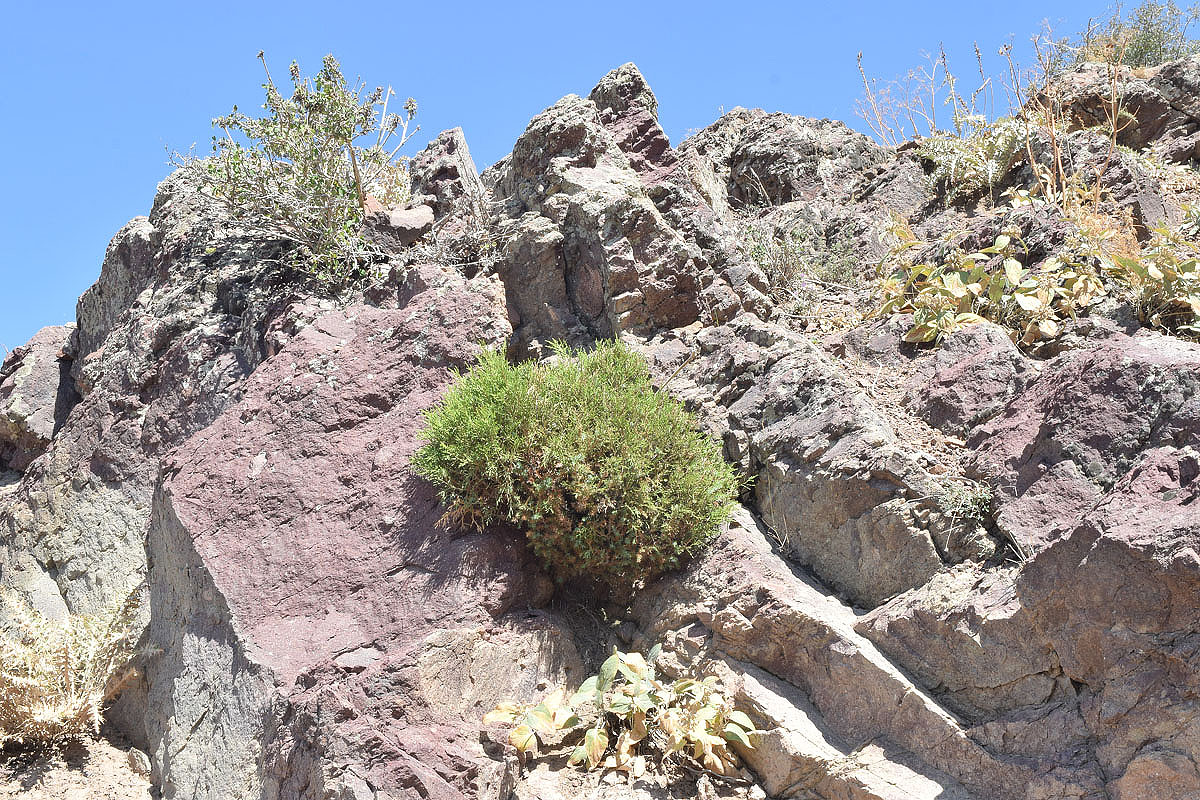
(158, 353)
(444, 173)
(590, 195)
(1116, 598)
(966, 635)
(844, 721)
(755, 158)
(36, 394)
(127, 272)
(831, 478)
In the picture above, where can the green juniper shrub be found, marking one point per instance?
(608, 476)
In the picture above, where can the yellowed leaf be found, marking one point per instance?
(524, 739)
(1027, 301)
(714, 763)
(638, 731)
(954, 285)
(595, 742)
(504, 713)
(635, 662)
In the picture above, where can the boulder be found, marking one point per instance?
(36, 394)
(410, 224)
(179, 316)
(1163, 112)
(1087, 422)
(444, 175)
(966, 635)
(1116, 599)
(968, 380)
(595, 226)
(314, 621)
(844, 493)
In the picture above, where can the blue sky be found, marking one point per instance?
(98, 92)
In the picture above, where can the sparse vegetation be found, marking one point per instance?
(1164, 282)
(56, 676)
(900, 110)
(301, 173)
(608, 477)
(975, 160)
(992, 283)
(965, 503)
(978, 151)
(636, 712)
(1152, 34)
(1161, 278)
(802, 268)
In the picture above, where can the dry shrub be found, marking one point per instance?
(56, 676)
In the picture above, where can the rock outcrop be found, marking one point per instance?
(36, 395)
(313, 620)
(968, 571)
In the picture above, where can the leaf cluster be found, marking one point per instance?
(636, 712)
(55, 676)
(1164, 282)
(302, 172)
(990, 284)
(608, 476)
(1161, 278)
(977, 160)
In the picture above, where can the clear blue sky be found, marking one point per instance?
(96, 92)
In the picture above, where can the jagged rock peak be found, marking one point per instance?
(624, 89)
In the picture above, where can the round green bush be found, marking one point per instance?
(608, 476)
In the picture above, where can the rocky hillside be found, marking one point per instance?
(969, 570)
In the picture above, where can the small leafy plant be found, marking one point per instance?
(992, 284)
(974, 158)
(1164, 282)
(1160, 278)
(635, 712)
(55, 677)
(811, 275)
(608, 476)
(301, 173)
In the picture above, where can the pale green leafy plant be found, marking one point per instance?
(636, 713)
(976, 156)
(990, 284)
(306, 170)
(1164, 281)
(1161, 278)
